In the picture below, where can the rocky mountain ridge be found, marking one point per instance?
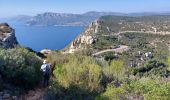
(69, 19)
(66, 19)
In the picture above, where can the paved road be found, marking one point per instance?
(120, 49)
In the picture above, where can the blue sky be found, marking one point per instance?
(32, 7)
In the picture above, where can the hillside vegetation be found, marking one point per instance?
(142, 24)
(141, 72)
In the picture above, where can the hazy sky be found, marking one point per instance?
(32, 7)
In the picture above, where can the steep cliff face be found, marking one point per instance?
(85, 39)
(7, 36)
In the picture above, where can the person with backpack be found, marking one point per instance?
(46, 71)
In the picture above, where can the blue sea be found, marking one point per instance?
(45, 37)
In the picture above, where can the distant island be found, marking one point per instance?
(65, 19)
(69, 19)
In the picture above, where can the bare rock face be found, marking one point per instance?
(94, 27)
(86, 38)
(7, 36)
(81, 42)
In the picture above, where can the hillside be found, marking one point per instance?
(107, 30)
(116, 57)
(105, 62)
(136, 40)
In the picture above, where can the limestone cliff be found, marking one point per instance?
(85, 39)
(7, 36)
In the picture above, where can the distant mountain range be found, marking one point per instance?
(68, 19)
(63, 19)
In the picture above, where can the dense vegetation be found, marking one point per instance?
(115, 76)
(20, 67)
(83, 77)
(141, 24)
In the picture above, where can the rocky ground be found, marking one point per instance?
(36, 94)
(5, 95)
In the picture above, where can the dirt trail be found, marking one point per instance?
(36, 94)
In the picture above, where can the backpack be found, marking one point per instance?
(47, 71)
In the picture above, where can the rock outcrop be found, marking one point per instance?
(86, 38)
(81, 42)
(7, 36)
(94, 27)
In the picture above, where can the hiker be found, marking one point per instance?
(45, 68)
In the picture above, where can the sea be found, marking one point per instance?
(45, 37)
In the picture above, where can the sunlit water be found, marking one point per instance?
(42, 37)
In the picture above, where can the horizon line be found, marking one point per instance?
(158, 12)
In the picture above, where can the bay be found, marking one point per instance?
(45, 37)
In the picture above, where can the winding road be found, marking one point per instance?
(120, 49)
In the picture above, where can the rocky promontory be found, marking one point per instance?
(86, 38)
(7, 36)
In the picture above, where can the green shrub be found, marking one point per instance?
(150, 68)
(148, 89)
(73, 92)
(116, 69)
(81, 71)
(151, 90)
(19, 66)
(58, 59)
(112, 93)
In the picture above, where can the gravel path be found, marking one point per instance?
(120, 49)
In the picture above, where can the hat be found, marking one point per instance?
(45, 61)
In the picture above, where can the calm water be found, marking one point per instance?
(50, 37)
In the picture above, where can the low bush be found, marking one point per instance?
(73, 92)
(112, 93)
(20, 67)
(81, 71)
(115, 70)
(149, 90)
